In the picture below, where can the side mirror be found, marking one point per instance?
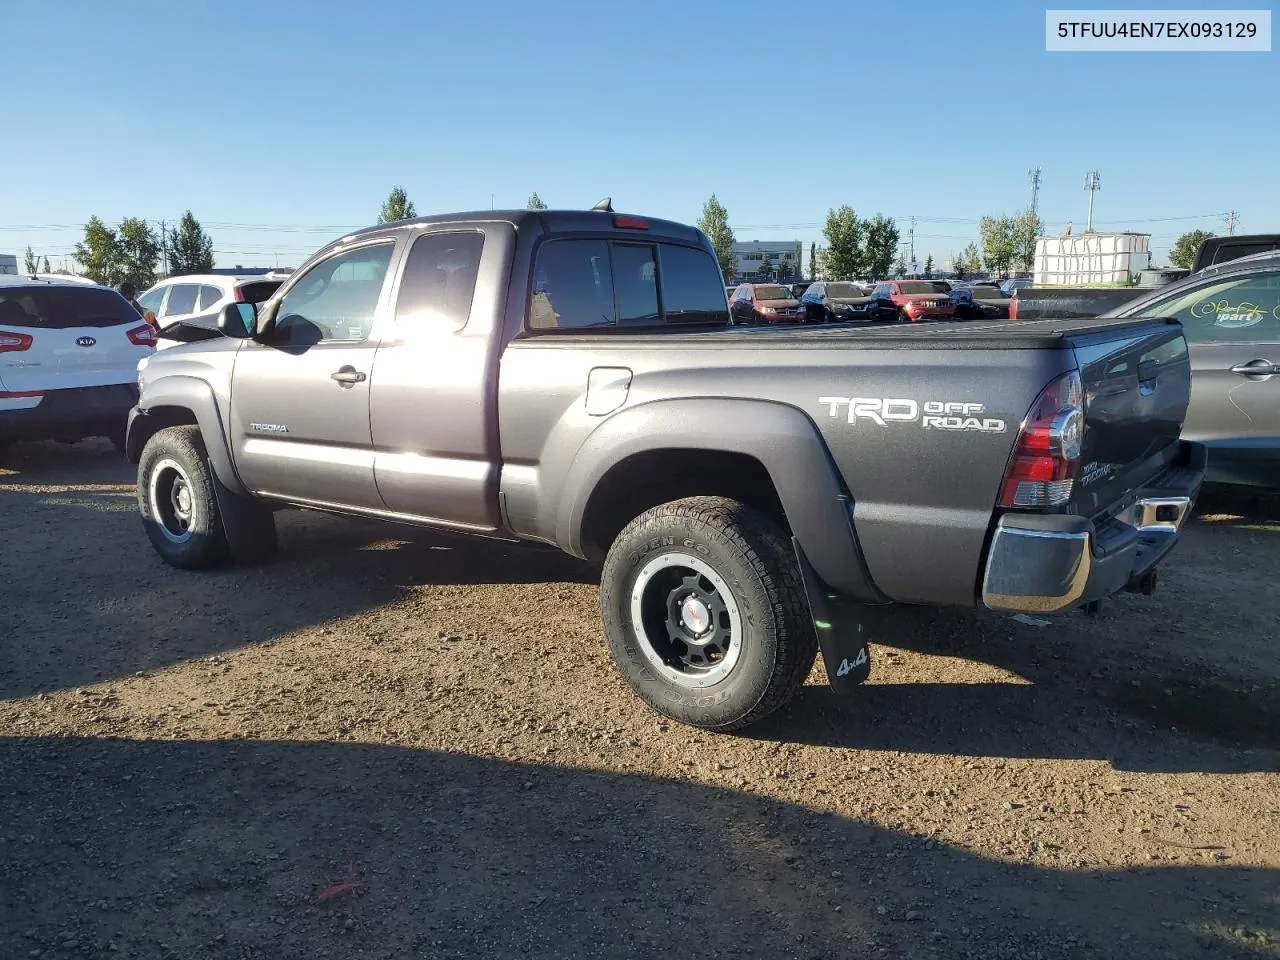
(236, 320)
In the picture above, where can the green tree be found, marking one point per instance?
(99, 253)
(845, 256)
(1183, 252)
(29, 260)
(397, 206)
(190, 248)
(714, 222)
(813, 260)
(139, 252)
(998, 244)
(928, 265)
(900, 267)
(535, 202)
(1027, 229)
(881, 247)
(45, 268)
(972, 258)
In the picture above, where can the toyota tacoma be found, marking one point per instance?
(753, 494)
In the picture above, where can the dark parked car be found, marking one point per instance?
(980, 301)
(1015, 283)
(1231, 316)
(764, 303)
(799, 287)
(911, 300)
(834, 301)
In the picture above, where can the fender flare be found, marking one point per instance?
(783, 439)
(196, 396)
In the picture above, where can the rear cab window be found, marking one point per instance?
(603, 284)
(64, 307)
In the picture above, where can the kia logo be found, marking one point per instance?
(85, 342)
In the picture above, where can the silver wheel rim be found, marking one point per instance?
(686, 620)
(172, 503)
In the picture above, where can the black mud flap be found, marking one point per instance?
(844, 629)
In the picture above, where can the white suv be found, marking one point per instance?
(195, 301)
(69, 357)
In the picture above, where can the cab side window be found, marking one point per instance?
(336, 299)
(439, 282)
(1239, 310)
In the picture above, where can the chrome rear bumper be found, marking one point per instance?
(1044, 564)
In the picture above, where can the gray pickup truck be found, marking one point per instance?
(753, 494)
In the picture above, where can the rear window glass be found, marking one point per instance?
(691, 286)
(259, 291)
(765, 292)
(209, 296)
(572, 286)
(60, 308)
(635, 283)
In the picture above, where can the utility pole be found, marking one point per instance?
(1092, 183)
(1034, 176)
(1231, 222)
(164, 247)
(911, 234)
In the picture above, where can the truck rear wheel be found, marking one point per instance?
(705, 613)
(178, 502)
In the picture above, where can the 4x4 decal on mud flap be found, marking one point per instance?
(931, 415)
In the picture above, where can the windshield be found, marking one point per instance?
(921, 286)
(843, 291)
(772, 293)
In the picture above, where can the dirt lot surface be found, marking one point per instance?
(392, 744)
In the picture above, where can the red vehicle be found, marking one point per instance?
(764, 303)
(911, 300)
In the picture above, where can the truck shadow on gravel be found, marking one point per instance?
(87, 599)
(239, 850)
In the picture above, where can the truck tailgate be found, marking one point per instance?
(1137, 383)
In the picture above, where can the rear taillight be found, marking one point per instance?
(1046, 457)
(239, 295)
(143, 336)
(625, 221)
(13, 342)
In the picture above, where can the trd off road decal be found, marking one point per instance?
(931, 415)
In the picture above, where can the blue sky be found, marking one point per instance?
(280, 124)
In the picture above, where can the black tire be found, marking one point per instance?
(117, 438)
(757, 617)
(178, 502)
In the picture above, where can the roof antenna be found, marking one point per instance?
(605, 205)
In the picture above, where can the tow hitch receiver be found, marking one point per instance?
(844, 630)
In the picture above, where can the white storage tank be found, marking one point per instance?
(1091, 259)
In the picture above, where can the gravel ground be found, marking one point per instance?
(394, 744)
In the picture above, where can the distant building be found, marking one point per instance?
(8, 264)
(768, 259)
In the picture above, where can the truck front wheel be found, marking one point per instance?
(178, 501)
(705, 612)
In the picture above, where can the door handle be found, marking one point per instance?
(348, 376)
(1256, 368)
